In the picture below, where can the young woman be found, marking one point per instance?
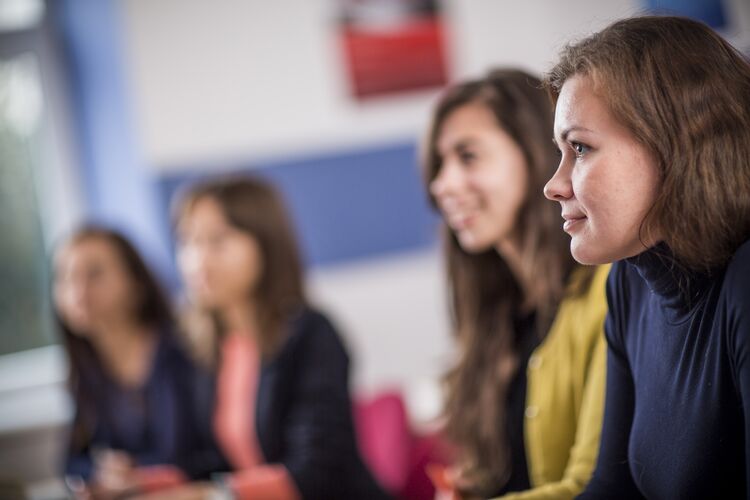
(653, 121)
(282, 412)
(525, 399)
(131, 382)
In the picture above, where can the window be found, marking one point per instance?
(25, 314)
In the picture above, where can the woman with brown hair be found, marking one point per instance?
(131, 382)
(653, 121)
(282, 411)
(524, 400)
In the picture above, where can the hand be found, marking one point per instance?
(113, 471)
(447, 495)
(113, 477)
(190, 491)
(444, 479)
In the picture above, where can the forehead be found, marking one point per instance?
(579, 105)
(463, 122)
(86, 251)
(203, 212)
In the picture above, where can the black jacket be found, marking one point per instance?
(303, 413)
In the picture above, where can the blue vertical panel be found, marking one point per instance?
(119, 190)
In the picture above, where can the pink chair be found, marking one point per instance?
(395, 455)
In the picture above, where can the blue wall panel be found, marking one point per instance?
(347, 205)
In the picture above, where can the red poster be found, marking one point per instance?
(392, 46)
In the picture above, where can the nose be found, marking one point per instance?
(192, 259)
(77, 290)
(559, 187)
(447, 181)
(72, 295)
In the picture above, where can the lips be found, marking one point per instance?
(460, 221)
(572, 220)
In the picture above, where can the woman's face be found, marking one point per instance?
(92, 287)
(221, 265)
(482, 181)
(606, 181)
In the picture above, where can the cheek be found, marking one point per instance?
(64, 303)
(241, 267)
(615, 201)
(598, 193)
(114, 294)
(506, 194)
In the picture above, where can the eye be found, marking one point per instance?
(467, 157)
(580, 149)
(94, 272)
(216, 240)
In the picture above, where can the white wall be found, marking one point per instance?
(236, 79)
(244, 79)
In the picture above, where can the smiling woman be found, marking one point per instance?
(606, 182)
(527, 319)
(653, 120)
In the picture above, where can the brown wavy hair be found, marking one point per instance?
(684, 93)
(486, 297)
(255, 207)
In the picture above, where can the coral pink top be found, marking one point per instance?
(234, 424)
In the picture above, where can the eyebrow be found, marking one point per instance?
(461, 144)
(466, 142)
(567, 131)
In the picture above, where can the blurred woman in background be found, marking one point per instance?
(131, 383)
(282, 412)
(524, 400)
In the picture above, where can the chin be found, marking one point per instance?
(472, 244)
(205, 300)
(588, 254)
(78, 323)
(80, 330)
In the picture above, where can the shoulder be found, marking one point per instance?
(176, 365)
(169, 349)
(311, 331)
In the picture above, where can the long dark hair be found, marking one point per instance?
(152, 310)
(684, 93)
(256, 208)
(485, 294)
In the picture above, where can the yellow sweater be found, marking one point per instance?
(565, 397)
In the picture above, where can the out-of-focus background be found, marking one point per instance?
(107, 106)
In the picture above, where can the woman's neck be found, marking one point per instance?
(239, 317)
(125, 348)
(510, 251)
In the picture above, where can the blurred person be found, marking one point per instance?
(653, 120)
(524, 401)
(282, 412)
(131, 382)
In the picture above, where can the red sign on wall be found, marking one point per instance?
(393, 46)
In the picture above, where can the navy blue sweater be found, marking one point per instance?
(678, 381)
(155, 424)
